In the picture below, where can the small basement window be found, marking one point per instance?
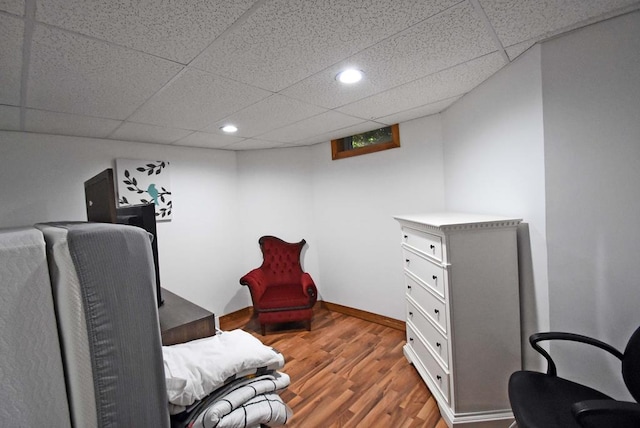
(367, 142)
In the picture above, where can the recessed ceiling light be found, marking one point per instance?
(350, 75)
(229, 129)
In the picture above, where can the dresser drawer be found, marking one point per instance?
(434, 338)
(424, 242)
(437, 373)
(425, 270)
(430, 304)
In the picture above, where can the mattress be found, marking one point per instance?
(105, 292)
(32, 387)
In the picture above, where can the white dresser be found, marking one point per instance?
(463, 312)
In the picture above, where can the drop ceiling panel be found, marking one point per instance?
(176, 30)
(285, 41)
(130, 131)
(311, 127)
(11, 34)
(447, 39)
(515, 21)
(74, 74)
(417, 112)
(436, 87)
(254, 144)
(12, 6)
(197, 99)
(271, 113)
(341, 133)
(206, 140)
(9, 118)
(49, 122)
(515, 51)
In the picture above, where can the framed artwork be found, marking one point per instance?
(145, 182)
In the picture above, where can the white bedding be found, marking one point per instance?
(195, 369)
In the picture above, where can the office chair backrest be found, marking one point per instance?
(631, 365)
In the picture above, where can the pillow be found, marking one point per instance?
(195, 369)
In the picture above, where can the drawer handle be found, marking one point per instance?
(438, 344)
(409, 287)
(439, 378)
(407, 260)
(433, 247)
(406, 236)
(410, 314)
(436, 311)
(434, 277)
(411, 339)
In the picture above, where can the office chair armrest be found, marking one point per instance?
(610, 413)
(551, 367)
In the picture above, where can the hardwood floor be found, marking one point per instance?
(348, 372)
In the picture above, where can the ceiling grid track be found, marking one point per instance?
(492, 32)
(29, 24)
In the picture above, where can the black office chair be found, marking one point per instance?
(542, 400)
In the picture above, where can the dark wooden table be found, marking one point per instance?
(182, 320)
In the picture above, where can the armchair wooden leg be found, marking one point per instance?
(263, 328)
(308, 325)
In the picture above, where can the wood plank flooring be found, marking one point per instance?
(347, 372)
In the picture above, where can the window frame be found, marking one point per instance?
(337, 152)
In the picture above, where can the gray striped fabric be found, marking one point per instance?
(114, 267)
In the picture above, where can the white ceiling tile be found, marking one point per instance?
(271, 113)
(130, 131)
(9, 118)
(11, 34)
(75, 74)
(518, 20)
(206, 140)
(176, 30)
(447, 39)
(343, 132)
(49, 122)
(254, 144)
(417, 112)
(515, 51)
(436, 87)
(288, 40)
(197, 99)
(311, 127)
(12, 6)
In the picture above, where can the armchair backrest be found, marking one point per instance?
(281, 260)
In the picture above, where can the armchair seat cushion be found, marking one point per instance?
(283, 297)
(550, 399)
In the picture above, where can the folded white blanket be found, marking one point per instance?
(244, 399)
(194, 369)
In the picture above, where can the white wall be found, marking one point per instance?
(591, 92)
(276, 198)
(354, 200)
(494, 164)
(42, 179)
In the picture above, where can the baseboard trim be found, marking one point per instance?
(367, 316)
(333, 307)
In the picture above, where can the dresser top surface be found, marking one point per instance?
(448, 219)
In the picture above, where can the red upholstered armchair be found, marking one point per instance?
(280, 290)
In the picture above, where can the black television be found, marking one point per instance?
(101, 207)
(143, 216)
